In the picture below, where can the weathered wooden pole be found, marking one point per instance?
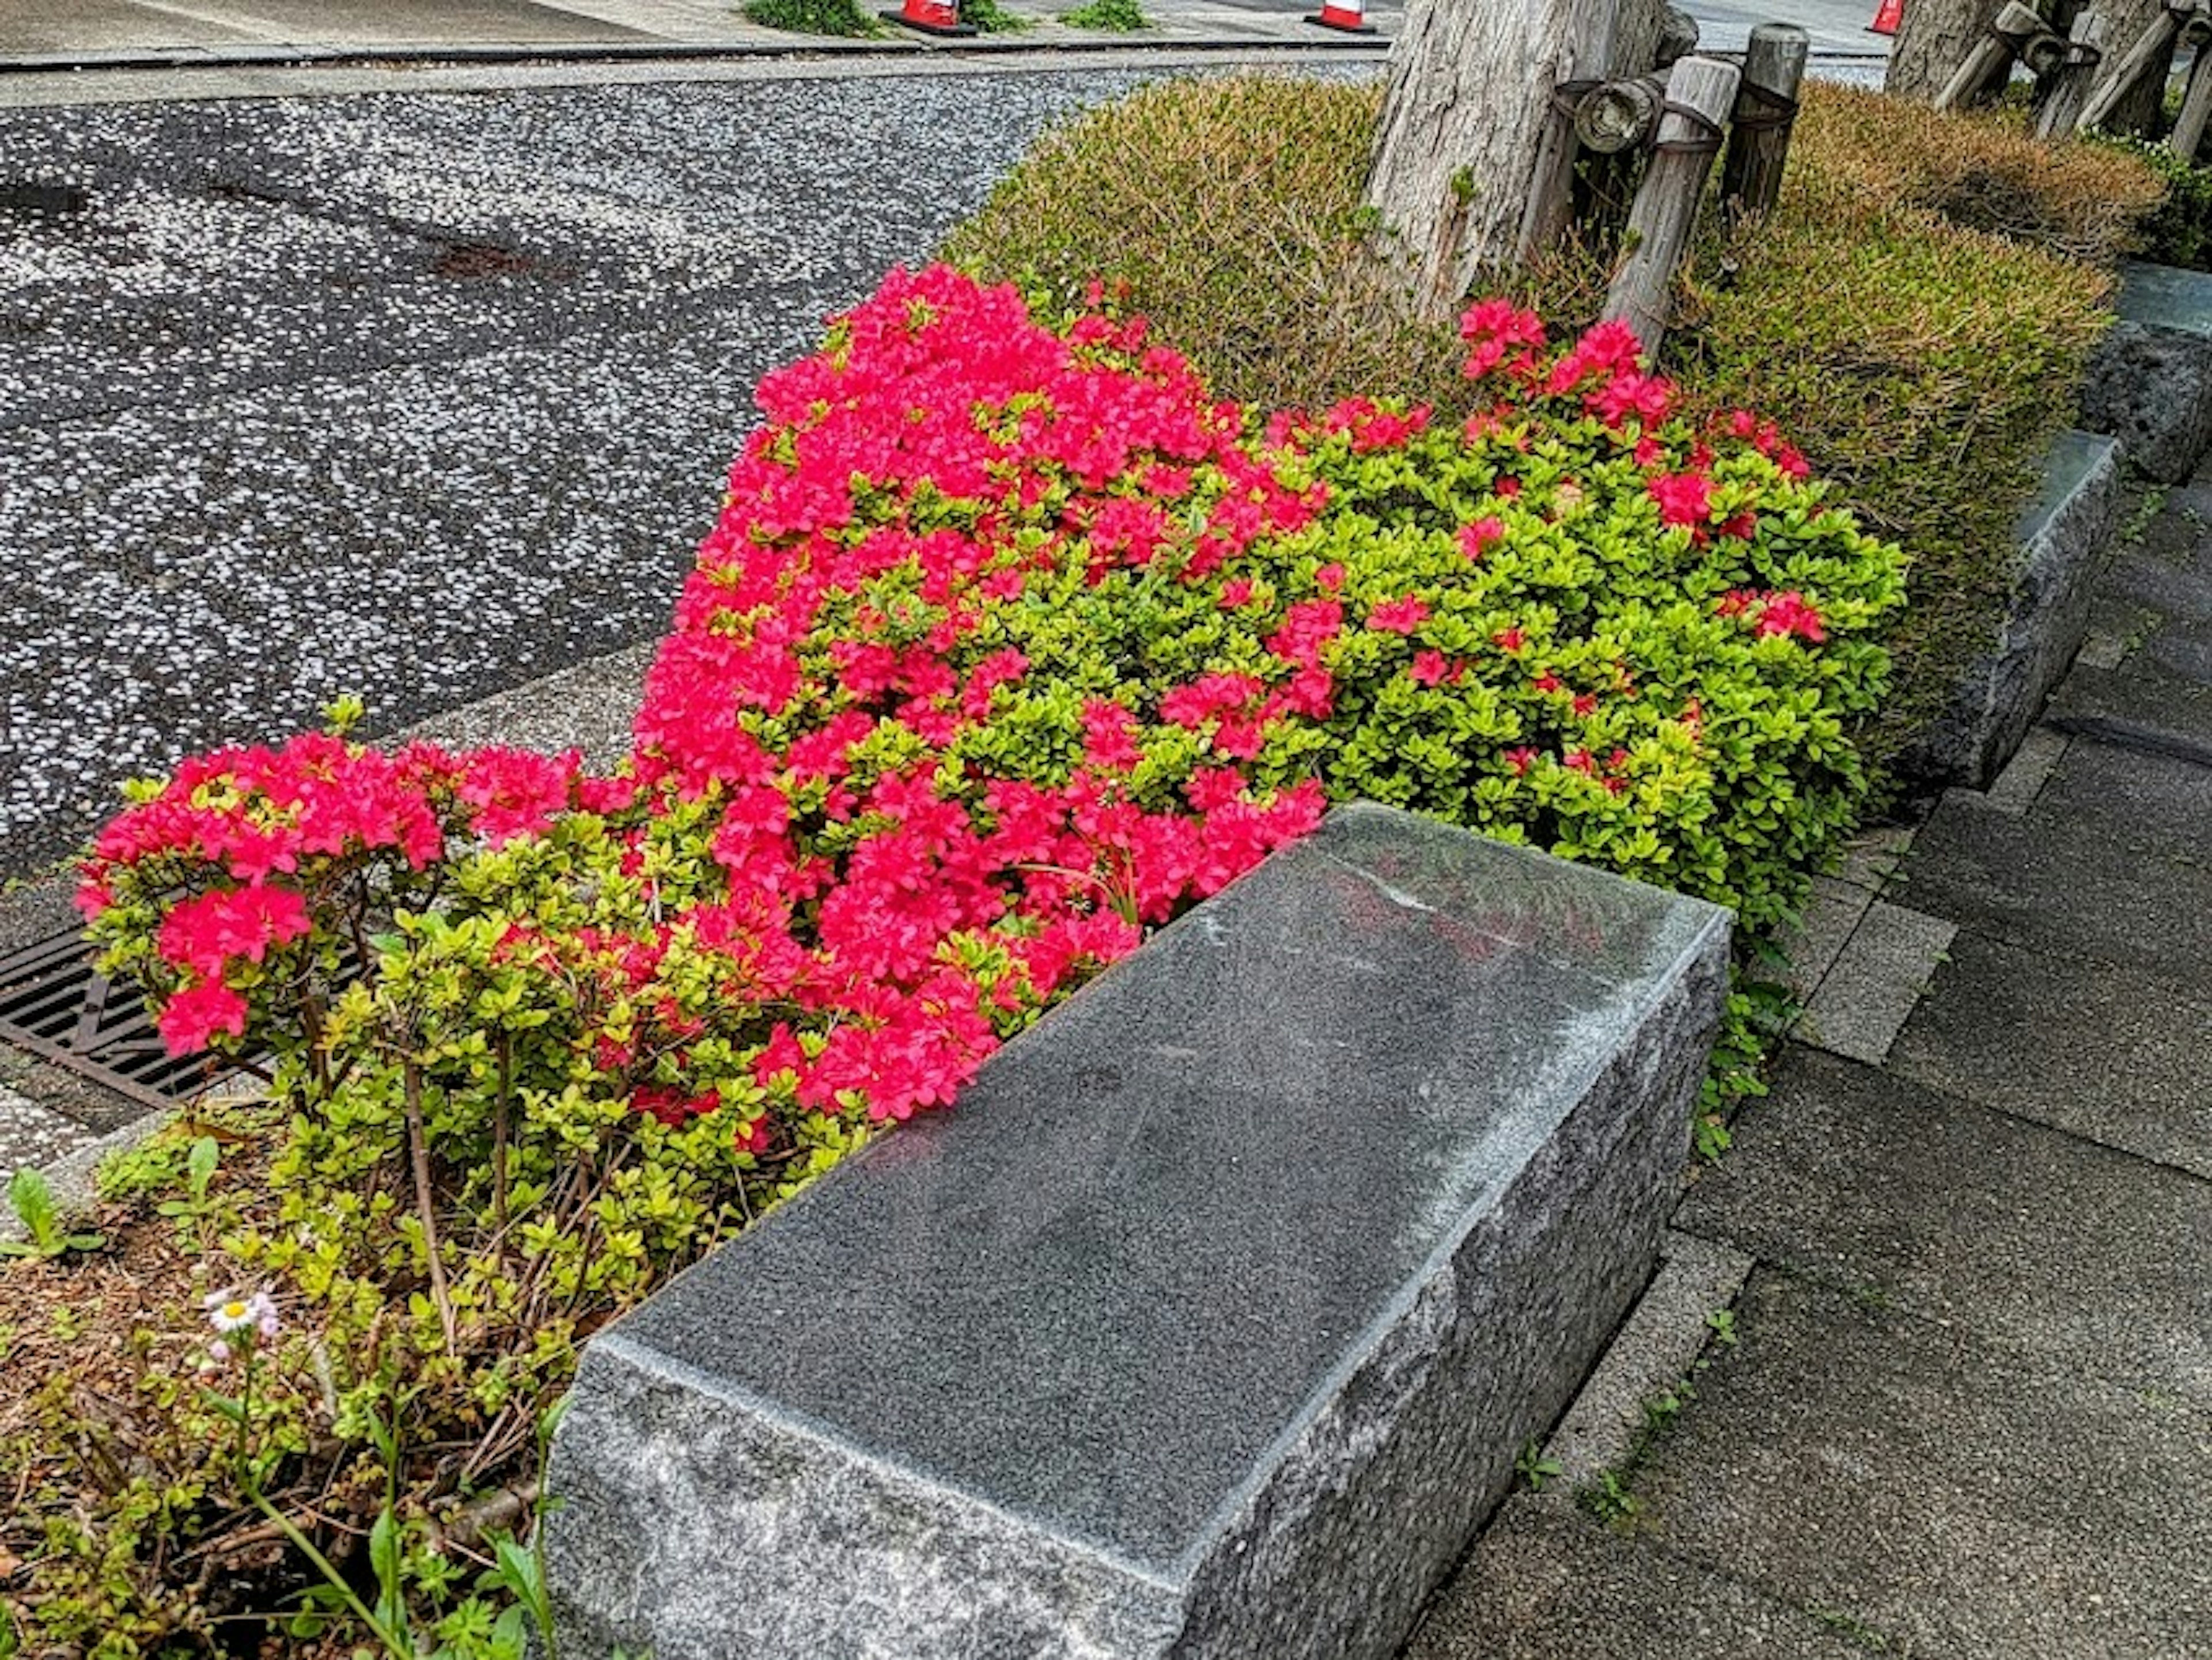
(2196, 101)
(2013, 28)
(1678, 39)
(1932, 40)
(1617, 114)
(1766, 111)
(2151, 51)
(1700, 92)
(2069, 83)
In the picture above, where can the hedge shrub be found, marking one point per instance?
(1914, 313)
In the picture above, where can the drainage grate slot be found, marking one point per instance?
(56, 1005)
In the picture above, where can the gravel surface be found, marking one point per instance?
(421, 397)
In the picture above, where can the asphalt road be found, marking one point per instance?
(425, 395)
(419, 396)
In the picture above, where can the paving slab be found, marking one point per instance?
(2015, 790)
(2106, 1054)
(1549, 1583)
(2099, 888)
(1870, 988)
(2165, 802)
(1814, 943)
(2034, 1240)
(2158, 689)
(1936, 1492)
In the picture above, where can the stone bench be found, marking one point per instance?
(1209, 1322)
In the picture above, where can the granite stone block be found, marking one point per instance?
(2149, 383)
(2062, 536)
(1211, 1320)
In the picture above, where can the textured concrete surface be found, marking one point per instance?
(1904, 1197)
(1211, 1323)
(588, 708)
(1928, 1492)
(2115, 890)
(2104, 1053)
(2159, 801)
(32, 1134)
(1870, 988)
(1547, 1582)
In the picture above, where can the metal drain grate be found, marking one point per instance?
(55, 1005)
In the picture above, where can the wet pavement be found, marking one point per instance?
(419, 396)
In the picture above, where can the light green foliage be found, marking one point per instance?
(1916, 312)
(989, 17)
(2179, 231)
(32, 1200)
(1121, 15)
(831, 17)
(552, 1203)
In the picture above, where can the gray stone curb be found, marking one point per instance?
(1657, 1348)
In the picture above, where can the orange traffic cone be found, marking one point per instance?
(930, 16)
(1350, 15)
(1886, 16)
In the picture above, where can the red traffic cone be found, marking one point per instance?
(1886, 16)
(1350, 15)
(930, 16)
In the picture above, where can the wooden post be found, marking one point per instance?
(1766, 110)
(2152, 48)
(2196, 104)
(1700, 92)
(2014, 26)
(2069, 82)
(1678, 38)
(1619, 113)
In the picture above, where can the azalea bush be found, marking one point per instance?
(1013, 642)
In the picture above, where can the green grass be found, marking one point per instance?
(843, 18)
(1916, 311)
(1120, 16)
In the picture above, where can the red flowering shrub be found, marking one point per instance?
(1012, 642)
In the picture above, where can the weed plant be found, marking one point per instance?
(842, 18)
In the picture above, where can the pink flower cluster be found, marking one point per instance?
(839, 663)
